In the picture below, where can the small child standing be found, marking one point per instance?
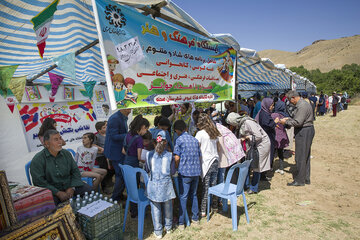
(101, 160)
(160, 189)
(187, 160)
(85, 159)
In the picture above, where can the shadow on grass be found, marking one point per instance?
(240, 212)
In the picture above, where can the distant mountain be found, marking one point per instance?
(322, 54)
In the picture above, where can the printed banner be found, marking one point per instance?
(73, 120)
(152, 63)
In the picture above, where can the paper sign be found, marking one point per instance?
(129, 53)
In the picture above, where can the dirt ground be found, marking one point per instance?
(328, 208)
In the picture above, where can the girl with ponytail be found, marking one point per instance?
(160, 189)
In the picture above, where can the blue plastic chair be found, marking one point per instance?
(229, 191)
(135, 194)
(27, 171)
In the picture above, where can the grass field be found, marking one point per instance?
(327, 209)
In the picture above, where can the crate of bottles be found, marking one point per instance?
(100, 219)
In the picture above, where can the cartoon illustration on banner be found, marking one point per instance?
(152, 63)
(73, 120)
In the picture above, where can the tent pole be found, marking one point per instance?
(81, 50)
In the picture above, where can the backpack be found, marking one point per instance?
(233, 149)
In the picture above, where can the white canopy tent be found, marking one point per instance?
(73, 30)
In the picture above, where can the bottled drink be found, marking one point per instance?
(78, 206)
(100, 197)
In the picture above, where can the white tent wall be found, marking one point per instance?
(13, 147)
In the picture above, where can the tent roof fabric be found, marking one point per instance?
(73, 27)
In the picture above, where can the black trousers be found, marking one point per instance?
(303, 140)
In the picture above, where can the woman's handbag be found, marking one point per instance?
(253, 154)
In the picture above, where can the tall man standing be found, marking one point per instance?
(304, 135)
(115, 134)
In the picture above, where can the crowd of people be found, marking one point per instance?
(194, 145)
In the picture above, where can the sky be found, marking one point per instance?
(287, 25)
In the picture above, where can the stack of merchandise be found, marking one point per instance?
(31, 202)
(98, 217)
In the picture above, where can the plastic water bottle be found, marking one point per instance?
(106, 199)
(83, 203)
(92, 192)
(100, 197)
(77, 208)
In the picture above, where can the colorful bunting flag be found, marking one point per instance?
(42, 23)
(66, 63)
(11, 102)
(6, 73)
(89, 87)
(55, 83)
(17, 86)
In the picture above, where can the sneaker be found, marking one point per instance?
(169, 231)
(280, 171)
(181, 227)
(202, 214)
(197, 222)
(158, 236)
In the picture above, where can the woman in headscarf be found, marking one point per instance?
(267, 123)
(322, 105)
(281, 137)
(248, 127)
(184, 114)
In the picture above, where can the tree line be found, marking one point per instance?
(346, 79)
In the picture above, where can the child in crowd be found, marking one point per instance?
(160, 189)
(85, 159)
(101, 160)
(133, 145)
(209, 145)
(47, 124)
(162, 123)
(187, 160)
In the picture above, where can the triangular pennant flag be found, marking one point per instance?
(66, 63)
(10, 101)
(47, 86)
(17, 86)
(6, 73)
(42, 23)
(55, 83)
(89, 87)
(83, 92)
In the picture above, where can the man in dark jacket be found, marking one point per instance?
(115, 134)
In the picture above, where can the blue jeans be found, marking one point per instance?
(254, 186)
(188, 187)
(156, 214)
(119, 180)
